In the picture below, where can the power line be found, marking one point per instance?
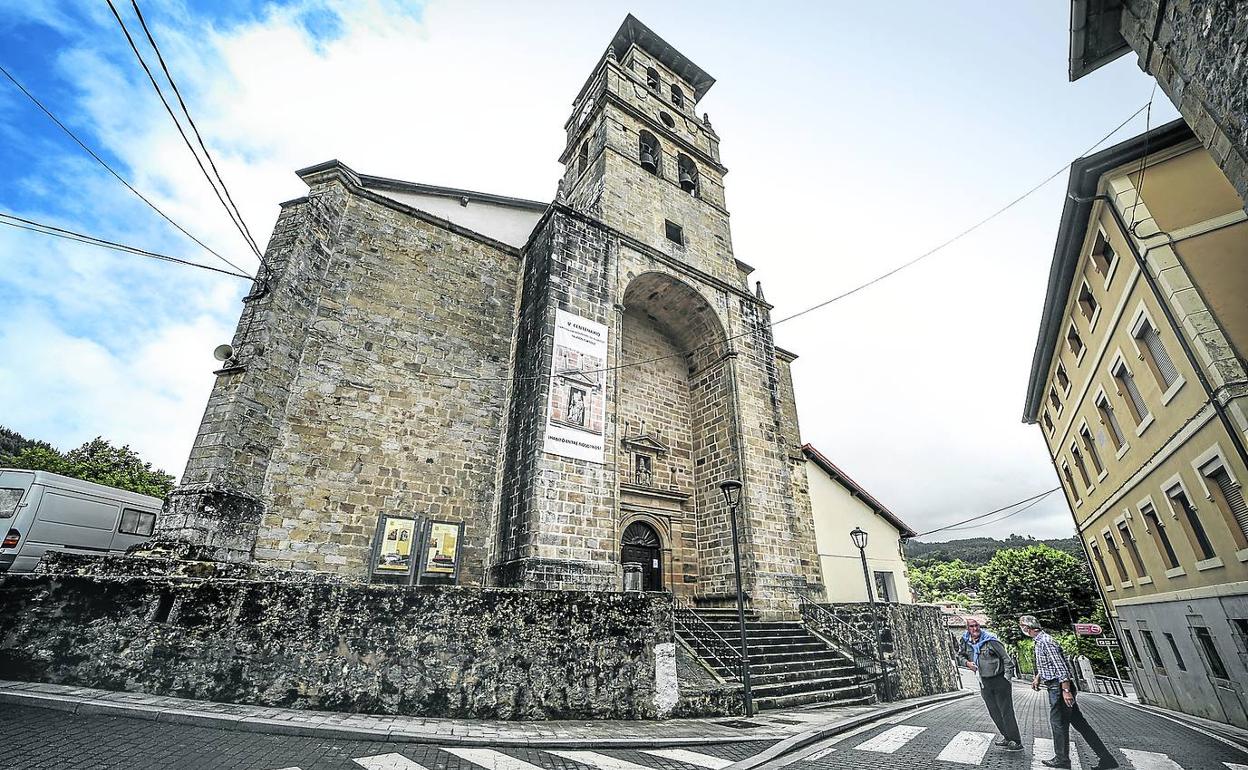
(251, 241)
(60, 232)
(1003, 518)
(111, 170)
(990, 513)
(182, 132)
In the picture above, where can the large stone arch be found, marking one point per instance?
(675, 406)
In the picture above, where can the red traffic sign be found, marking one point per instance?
(1088, 629)
(1106, 641)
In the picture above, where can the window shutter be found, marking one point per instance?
(1133, 392)
(1152, 340)
(1234, 497)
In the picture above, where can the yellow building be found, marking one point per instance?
(839, 505)
(1138, 384)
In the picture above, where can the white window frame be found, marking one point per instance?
(1177, 481)
(1066, 474)
(1100, 567)
(1147, 500)
(1083, 424)
(1096, 314)
(1212, 455)
(1069, 382)
(1083, 344)
(1112, 532)
(1117, 360)
(1137, 321)
(1096, 400)
(1113, 264)
(1076, 451)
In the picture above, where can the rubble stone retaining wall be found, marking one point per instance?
(326, 644)
(916, 645)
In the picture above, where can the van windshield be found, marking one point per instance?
(9, 498)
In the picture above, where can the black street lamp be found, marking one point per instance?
(859, 536)
(732, 495)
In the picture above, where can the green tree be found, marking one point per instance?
(98, 461)
(1037, 580)
(944, 581)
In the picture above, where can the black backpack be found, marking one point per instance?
(991, 659)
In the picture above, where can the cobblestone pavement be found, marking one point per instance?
(33, 739)
(959, 734)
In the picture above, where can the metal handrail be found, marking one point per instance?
(840, 634)
(696, 632)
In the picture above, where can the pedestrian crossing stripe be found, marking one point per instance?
(594, 759)
(966, 748)
(891, 739)
(1151, 760)
(389, 761)
(1233, 766)
(691, 758)
(491, 759)
(1043, 749)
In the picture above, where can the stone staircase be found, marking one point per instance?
(789, 666)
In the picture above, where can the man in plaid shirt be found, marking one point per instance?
(1054, 674)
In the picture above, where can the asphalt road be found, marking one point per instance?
(958, 734)
(948, 736)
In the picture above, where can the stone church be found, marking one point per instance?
(561, 387)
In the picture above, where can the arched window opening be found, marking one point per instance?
(649, 152)
(688, 171)
(582, 158)
(652, 79)
(678, 96)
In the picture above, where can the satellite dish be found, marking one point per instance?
(223, 352)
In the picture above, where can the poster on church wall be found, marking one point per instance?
(394, 551)
(575, 416)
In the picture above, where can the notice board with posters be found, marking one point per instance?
(440, 561)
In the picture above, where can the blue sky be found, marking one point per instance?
(858, 135)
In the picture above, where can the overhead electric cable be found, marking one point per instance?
(1002, 518)
(195, 129)
(60, 232)
(111, 170)
(181, 131)
(1036, 498)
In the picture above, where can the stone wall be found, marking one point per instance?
(145, 625)
(916, 644)
(1196, 50)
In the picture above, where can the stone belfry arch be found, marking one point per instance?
(638, 243)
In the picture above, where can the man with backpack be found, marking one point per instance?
(986, 655)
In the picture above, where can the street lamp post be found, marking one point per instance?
(859, 536)
(732, 495)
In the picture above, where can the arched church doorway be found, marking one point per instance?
(640, 545)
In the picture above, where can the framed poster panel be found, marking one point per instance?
(440, 561)
(396, 548)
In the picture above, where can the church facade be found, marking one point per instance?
(552, 390)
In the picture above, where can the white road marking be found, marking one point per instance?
(1151, 760)
(967, 748)
(821, 753)
(890, 740)
(491, 759)
(691, 758)
(594, 759)
(1043, 749)
(389, 761)
(1149, 710)
(1233, 766)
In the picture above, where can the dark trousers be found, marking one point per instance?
(999, 698)
(1062, 718)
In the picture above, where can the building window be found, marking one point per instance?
(1110, 421)
(1089, 446)
(1151, 646)
(1087, 303)
(1209, 650)
(1133, 548)
(1080, 466)
(678, 96)
(652, 79)
(884, 590)
(1130, 392)
(582, 158)
(1062, 380)
(1116, 555)
(1070, 484)
(668, 120)
(1160, 537)
(650, 153)
(1174, 648)
(687, 172)
(1229, 498)
(1074, 341)
(1102, 255)
(1155, 356)
(1055, 401)
(1100, 563)
(1184, 509)
(1048, 422)
(675, 233)
(1135, 651)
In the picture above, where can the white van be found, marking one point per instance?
(41, 511)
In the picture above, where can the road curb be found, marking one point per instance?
(804, 739)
